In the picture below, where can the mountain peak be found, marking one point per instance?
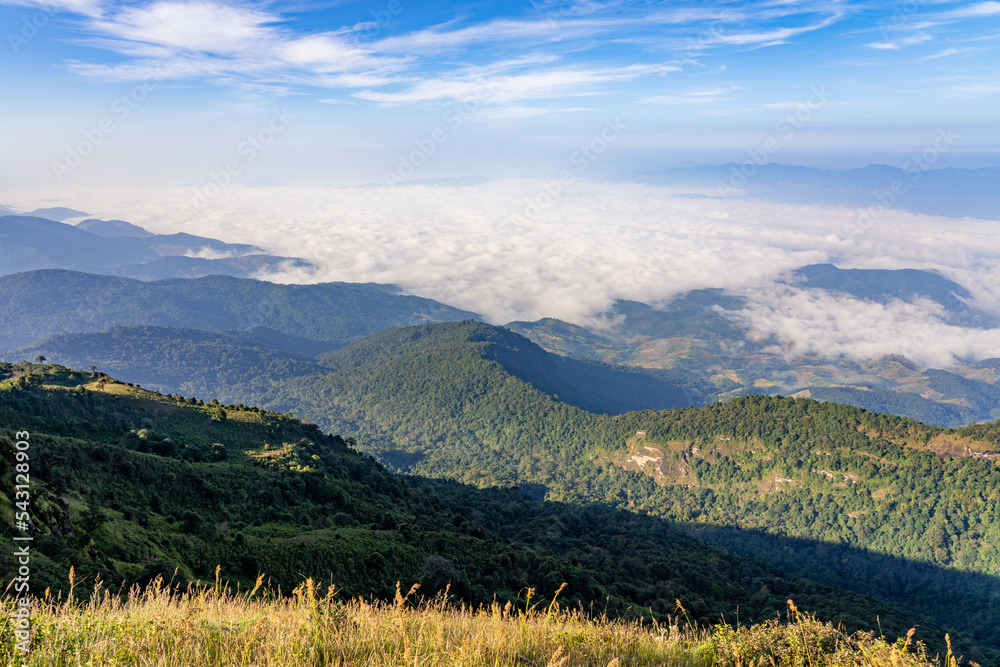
(113, 228)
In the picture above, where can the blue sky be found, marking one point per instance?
(165, 92)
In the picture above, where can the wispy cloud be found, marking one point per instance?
(193, 26)
(185, 39)
(977, 10)
(485, 83)
(226, 43)
(975, 90)
(83, 7)
(951, 51)
(896, 44)
(691, 97)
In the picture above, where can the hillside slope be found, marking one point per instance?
(41, 303)
(761, 469)
(700, 333)
(254, 365)
(128, 484)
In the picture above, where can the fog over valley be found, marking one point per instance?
(509, 250)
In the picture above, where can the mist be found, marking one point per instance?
(523, 250)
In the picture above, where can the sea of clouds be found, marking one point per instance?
(523, 250)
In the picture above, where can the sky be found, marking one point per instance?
(169, 92)
(323, 130)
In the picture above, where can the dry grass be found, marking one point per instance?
(217, 627)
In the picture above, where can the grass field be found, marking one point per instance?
(214, 626)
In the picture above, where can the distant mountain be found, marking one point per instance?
(41, 303)
(948, 192)
(56, 213)
(119, 247)
(594, 387)
(696, 334)
(244, 266)
(113, 228)
(883, 286)
(694, 344)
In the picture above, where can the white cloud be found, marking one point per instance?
(193, 26)
(813, 322)
(486, 83)
(897, 44)
(82, 7)
(775, 36)
(236, 44)
(977, 10)
(693, 97)
(474, 247)
(951, 51)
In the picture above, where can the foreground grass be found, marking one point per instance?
(216, 627)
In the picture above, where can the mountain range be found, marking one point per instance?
(117, 247)
(670, 455)
(695, 342)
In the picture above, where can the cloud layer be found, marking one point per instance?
(511, 250)
(812, 322)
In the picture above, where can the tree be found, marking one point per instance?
(93, 518)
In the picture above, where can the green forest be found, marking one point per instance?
(128, 484)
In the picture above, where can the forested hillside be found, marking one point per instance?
(825, 492)
(41, 303)
(255, 365)
(916, 500)
(127, 484)
(690, 351)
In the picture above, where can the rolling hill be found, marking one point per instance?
(129, 484)
(699, 334)
(693, 342)
(35, 304)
